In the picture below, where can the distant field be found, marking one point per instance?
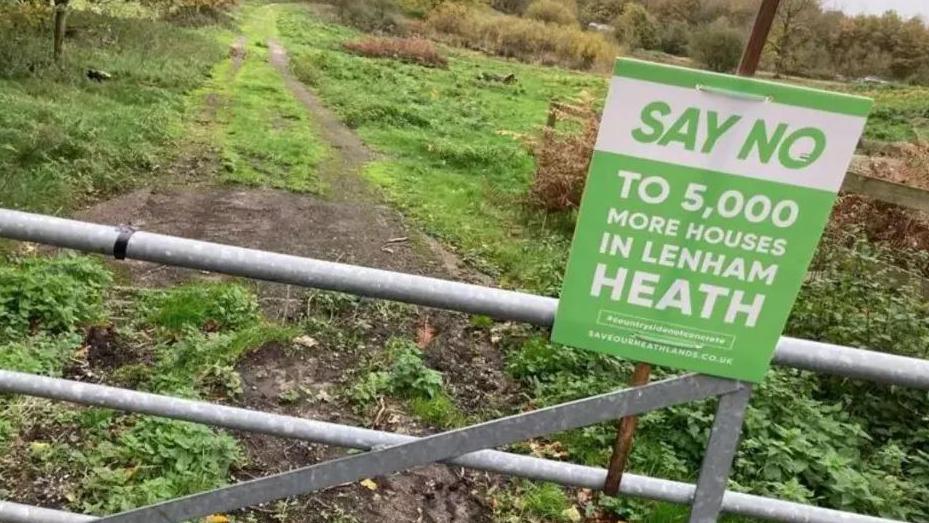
(900, 114)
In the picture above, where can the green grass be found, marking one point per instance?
(266, 136)
(438, 411)
(459, 168)
(526, 501)
(223, 306)
(184, 342)
(64, 139)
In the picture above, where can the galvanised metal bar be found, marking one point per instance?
(17, 513)
(433, 292)
(432, 449)
(529, 467)
(282, 268)
(720, 451)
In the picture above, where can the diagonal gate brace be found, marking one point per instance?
(433, 449)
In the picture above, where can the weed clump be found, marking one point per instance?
(415, 50)
(522, 38)
(406, 375)
(210, 307)
(50, 295)
(403, 374)
(562, 160)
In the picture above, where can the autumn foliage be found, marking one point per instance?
(414, 50)
(562, 159)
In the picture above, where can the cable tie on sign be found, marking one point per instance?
(122, 241)
(734, 94)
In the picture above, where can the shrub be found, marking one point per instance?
(369, 15)
(717, 46)
(196, 13)
(636, 28)
(673, 37)
(513, 7)
(522, 38)
(551, 11)
(412, 50)
(561, 163)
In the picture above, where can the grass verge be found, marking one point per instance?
(65, 139)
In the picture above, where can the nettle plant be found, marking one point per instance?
(404, 374)
(50, 295)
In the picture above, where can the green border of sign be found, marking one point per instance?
(808, 97)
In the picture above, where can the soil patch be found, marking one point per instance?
(472, 364)
(303, 382)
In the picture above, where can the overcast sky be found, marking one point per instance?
(904, 7)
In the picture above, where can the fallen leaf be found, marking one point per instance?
(217, 518)
(306, 342)
(572, 514)
(585, 496)
(369, 484)
(322, 395)
(424, 334)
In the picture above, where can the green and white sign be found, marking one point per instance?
(706, 197)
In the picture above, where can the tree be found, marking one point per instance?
(673, 37)
(636, 28)
(792, 30)
(911, 50)
(61, 15)
(718, 46)
(666, 11)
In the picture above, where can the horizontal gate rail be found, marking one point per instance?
(395, 451)
(568, 474)
(420, 290)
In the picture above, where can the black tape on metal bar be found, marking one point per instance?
(122, 241)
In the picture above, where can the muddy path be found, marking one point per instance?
(349, 224)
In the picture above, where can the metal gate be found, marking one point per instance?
(469, 446)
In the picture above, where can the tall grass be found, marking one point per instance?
(522, 38)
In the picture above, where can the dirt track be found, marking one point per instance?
(350, 224)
